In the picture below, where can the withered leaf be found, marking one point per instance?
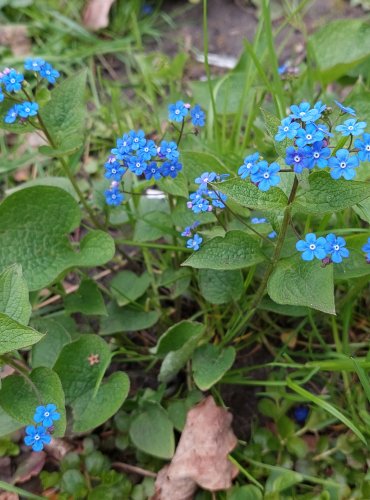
(96, 14)
(201, 455)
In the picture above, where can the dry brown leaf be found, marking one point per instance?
(16, 37)
(201, 455)
(96, 14)
(31, 466)
(9, 496)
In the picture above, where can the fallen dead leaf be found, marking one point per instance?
(96, 14)
(8, 496)
(31, 466)
(201, 455)
(16, 37)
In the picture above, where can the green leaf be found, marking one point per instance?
(267, 304)
(14, 300)
(91, 410)
(248, 195)
(177, 335)
(355, 266)
(127, 319)
(7, 424)
(152, 432)
(36, 236)
(299, 283)
(197, 162)
(272, 123)
(326, 406)
(60, 182)
(20, 397)
(93, 400)
(248, 492)
(177, 187)
(46, 352)
(235, 251)
(210, 364)
(86, 300)
(64, 114)
(126, 286)
(15, 336)
(327, 195)
(152, 226)
(281, 480)
(220, 287)
(339, 46)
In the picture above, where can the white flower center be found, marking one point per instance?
(28, 110)
(46, 414)
(36, 437)
(308, 137)
(12, 80)
(343, 164)
(47, 72)
(248, 165)
(312, 246)
(172, 168)
(350, 127)
(114, 171)
(286, 129)
(266, 175)
(136, 139)
(336, 247)
(177, 112)
(113, 197)
(297, 159)
(302, 113)
(367, 147)
(316, 155)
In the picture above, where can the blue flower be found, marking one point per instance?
(345, 109)
(12, 114)
(343, 165)
(249, 165)
(351, 127)
(45, 415)
(137, 139)
(186, 231)
(197, 116)
(217, 199)
(1, 95)
(287, 130)
(169, 150)
(12, 81)
(34, 64)
(113, 169)
(319, 108)
(113, 196)
(195, 242)
(301, 413)
(317, 155)
(204, 179)
(312, 247)
(177, 112)
(148, 151)
(137, 165)
(364, 147)
(198, 204)
(282, 69)
(308, 136)
(303, 112)
(27, 109)
(49, 73)
(366, 249)
(336, 248)
(153, 170)
(297, 158)
(272, 235)
(36, 437)
(266, 176)
(256, 220)
(123, 147)
(171, 168)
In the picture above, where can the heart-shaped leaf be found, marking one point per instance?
(14, 300)
(210, 364)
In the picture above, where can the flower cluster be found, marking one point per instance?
(38, 436)
(204, 199)
(332, 248)
(141, 156)
(195, 240)
(11, 82)
(178, 111)
(260, 172)
(312, 140)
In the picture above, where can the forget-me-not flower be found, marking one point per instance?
(351, 127)
(266, 175)
(312, 247)
(287, 130)
(364, 147)
(336, 248)
(46, 415)
(177, 112)
(197, 116)
(249, 166)
(194, 242)
(36, 437)
(317, 155)
(309, 135)
(345, 109)
(297, 158)
(343, 165)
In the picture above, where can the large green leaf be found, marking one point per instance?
(64, 114)
(126, 286)
(14, 335)
(248, 195)
(81, 367)
(14, 299)
(152, 226)
(220, 287)
(339, 46)
(234, 251)
(210, 363)
(34, 234)
(20, 397)
(152, 432)
(299, 283)
(326, 195)
(46, 352)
